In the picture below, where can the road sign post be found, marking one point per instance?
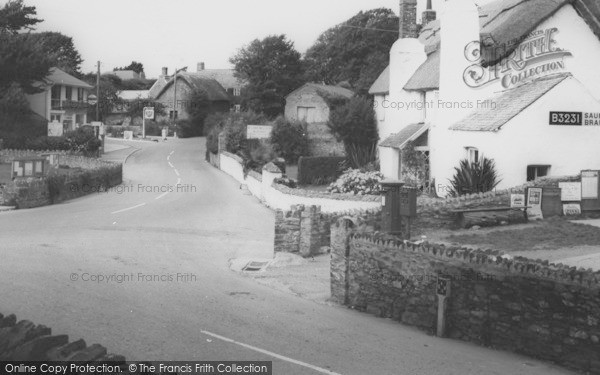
(148, 114)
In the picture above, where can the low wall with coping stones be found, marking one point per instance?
(547, 311)
(25, 341)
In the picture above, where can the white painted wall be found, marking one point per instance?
(276, 199)
(528, 139)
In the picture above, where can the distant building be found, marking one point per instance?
(119, 113)
(63, 100)
(311, 102)
(126, 75)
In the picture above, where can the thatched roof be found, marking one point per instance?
(501, 22)
(509, 104)
(408, 133)
(225, 77)
(212, 88)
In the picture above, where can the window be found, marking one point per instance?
(237, 91)
(536, 171)
(55, 97)
(69, 93)
(54, 117)
(171, 115)
(79, 94)
(237, 108)
(230, 91)
(472, 154)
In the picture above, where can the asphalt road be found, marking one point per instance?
(165, 291)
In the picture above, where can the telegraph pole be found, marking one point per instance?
(98, 93)
(175, 95)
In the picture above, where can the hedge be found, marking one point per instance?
(319, 170)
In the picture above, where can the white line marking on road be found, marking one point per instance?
(275, 355)
(171, 165)
(172, 152)
(176, 172)
(169, 157)
(127, 209)
(178, 181)
(162, 195)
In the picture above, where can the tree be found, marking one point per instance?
(356, 51)
(272, 68)
(15, 16)
(137, 67)
(354, 124)
(108, 98)
(61, 51)
(22, 61)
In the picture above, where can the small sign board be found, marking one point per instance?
(55, 129)
(566, 118)
(442, 287)
(148, 113)
(128, 135)
(589, 184)
(534, 200)
(551, 202)
(572, 209)
(517, 200)
(570, 191)
(258, 131)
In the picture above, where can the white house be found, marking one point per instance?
(515, 81)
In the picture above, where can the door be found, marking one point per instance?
(306, 114)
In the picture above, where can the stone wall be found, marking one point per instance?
(25, 341)
(547, 311)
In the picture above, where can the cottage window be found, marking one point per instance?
(80, 94)
(237, 108)
(171, 115)
(55, 97)
(536, 171)
(472, 154)
(237, 91)
(69, 93)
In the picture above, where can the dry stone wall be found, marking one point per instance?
(547, 311)
(25, 341)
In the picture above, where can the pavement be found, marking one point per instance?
(145, 270)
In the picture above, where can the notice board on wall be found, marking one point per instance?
(590, 190)
(551, 202)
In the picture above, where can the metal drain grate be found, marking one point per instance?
(254, 266)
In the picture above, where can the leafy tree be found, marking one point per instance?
(108, 98)
(15, 16)
(137, 67)
(272, 67)
(137, 84)
(354, 124)
(61, 51)
(22, 61)
(356, 51)
(289, 139)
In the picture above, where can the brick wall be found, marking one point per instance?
(25, 341)
(547, 311)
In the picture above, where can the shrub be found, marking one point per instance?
(320, 170)
(470, 178)
(354, 124)
(235, 130)
(84, 141)
(257, 155)
(213, 126)
(289, 139)
(285, 181)
(357, 182)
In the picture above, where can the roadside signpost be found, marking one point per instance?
(147, 115)
(442, 289)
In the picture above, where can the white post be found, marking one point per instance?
(143, 125)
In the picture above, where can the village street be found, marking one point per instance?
(146, 274)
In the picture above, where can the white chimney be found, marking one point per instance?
(406, 56)
(165, 71)
(200, 67)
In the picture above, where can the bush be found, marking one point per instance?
(285, 181)
(320, 170)
(235, 130)
(289, 139)
(357, 182)
(471, 178)
(213, 126)
(354, 124)
(257, 155)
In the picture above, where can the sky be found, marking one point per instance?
(180, 33)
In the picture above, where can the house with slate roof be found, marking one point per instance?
(512, 80)
(64, 100)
